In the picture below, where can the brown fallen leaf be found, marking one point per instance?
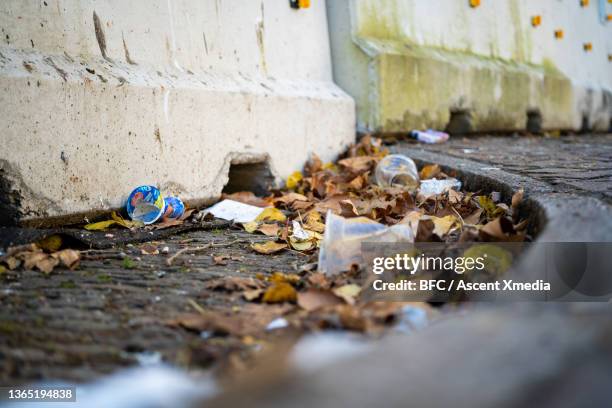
(289, 198)
(12, 262)
(270, 230)
(47, 264)
(149, 249)
(268, 247)
(234, 283)
(220, 259)
(473, 218)
(358, 164)
(247, 197)
(319, 280)
(517, 198)
(280, 292)
(314, 299)
(70, 258)
(499, 229)
(252, 295)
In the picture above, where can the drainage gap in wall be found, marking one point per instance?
(460, 122)
(534, 121)
(9, 202)
(255, 177)
(585, 127)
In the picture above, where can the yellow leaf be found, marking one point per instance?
(250, 227)
(302, 245)
(51, 243)
(125, 223)
(330, 166)
(100, 226)
(348, 292)
(429, 171)
(268, 247)
(2, 269)
(487, 204)
(313, 222)
(280, 292)
(294, 179)
(442, 225)
(496, 259)
(271, 214)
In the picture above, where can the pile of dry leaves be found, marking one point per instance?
(348, 188)
(294, 219)
(45, 255)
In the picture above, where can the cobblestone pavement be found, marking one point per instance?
(76, 325)
(571, 164)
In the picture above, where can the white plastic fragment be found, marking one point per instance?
(234, 211)
(298, 232)
(278, 323)
(432, 186)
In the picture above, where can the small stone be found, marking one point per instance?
(165, 250)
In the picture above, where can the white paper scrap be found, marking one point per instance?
(235, 210)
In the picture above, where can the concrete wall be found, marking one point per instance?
(98, 97)
(409, 63)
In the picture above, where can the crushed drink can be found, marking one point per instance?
(146, 204)
(174, 207)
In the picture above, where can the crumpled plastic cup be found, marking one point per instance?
(146, 204)
(341, 246)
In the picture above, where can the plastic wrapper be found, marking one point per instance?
(433, 186)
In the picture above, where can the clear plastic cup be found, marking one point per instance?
(397, 170)
(341, 246)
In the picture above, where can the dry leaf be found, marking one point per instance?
(429, 171)
(149, 249)
(250, 227)
(51, 243)
(271, 214)
(234, 283)
(70, 258)
(220, 259)
(358, 164)
(314, 299)
(247, 197)
(442, 225)
(268, 247)
(100, 226)
(348, 292)
(252, 295)
(270, 230)
(280, 292)
(293, 180)
(517, 198)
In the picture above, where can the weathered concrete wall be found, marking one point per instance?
(98, 97)
(410, 63)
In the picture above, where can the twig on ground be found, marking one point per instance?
(200, 248)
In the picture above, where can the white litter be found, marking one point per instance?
(234, 211)
(278, 323)
(433, 186)
(298, 232)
